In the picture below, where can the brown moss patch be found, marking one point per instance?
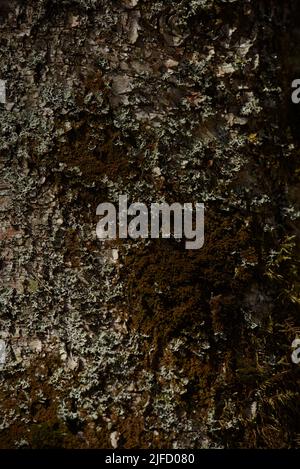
(170, 288)
(44, 428)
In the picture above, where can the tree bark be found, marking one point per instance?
(142, 343)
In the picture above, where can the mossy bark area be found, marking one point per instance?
(142, 343)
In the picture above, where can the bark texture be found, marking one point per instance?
(142, 343)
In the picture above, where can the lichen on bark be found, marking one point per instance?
(141, 343)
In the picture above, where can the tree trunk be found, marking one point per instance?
(143, 343)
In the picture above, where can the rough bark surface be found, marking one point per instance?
(143, 343)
